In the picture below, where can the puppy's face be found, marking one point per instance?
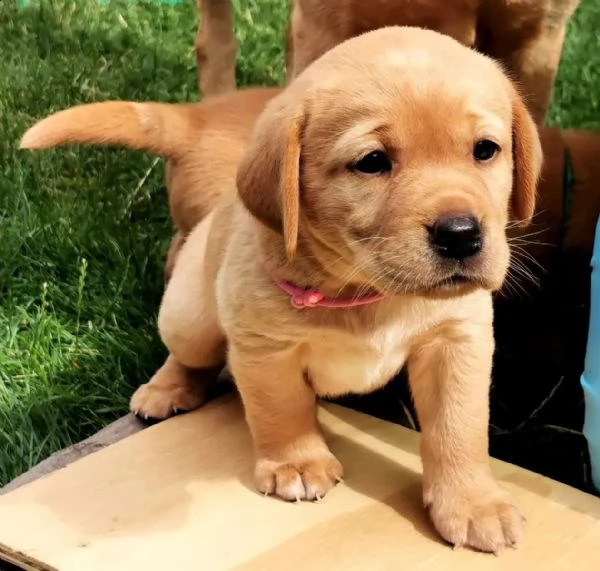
(414, 180)
(411, 156)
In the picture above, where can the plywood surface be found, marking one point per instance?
(121, 428)
(179, 496)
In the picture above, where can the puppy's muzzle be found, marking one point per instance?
(456, 237)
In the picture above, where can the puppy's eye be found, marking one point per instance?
(485, 150)
(376, 162)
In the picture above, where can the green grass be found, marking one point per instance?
(83, 231)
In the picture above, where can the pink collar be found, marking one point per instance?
(301, 298)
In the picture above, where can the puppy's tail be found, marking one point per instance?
(158, 128)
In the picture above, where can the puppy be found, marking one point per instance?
(392, 212)
(525, 35)
(367, 231)
(203, 144)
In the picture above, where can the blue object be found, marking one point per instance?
(590, 380)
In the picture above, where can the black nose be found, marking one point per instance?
(456, 237)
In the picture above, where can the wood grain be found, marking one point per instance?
(179, 495)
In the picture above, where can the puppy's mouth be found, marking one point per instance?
(455, 284)
(452, 285)
(455, 281)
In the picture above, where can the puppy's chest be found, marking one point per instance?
(338, 363)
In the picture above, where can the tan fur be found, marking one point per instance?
(584, 150)
(525, 35)
(393, 89)
(202, 142)
(204, 149)
(216, 47)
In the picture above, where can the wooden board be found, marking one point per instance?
(179, 495)
(121, 428)
(117, 430)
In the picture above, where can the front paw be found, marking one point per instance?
(170, 391)
(298, 478)
(482, 516)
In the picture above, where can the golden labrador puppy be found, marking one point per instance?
(204, 143)
(367, 232)
(525, 35)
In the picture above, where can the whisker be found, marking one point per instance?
(518, 258)
(536, 233)
(515, 223)
(520, 253)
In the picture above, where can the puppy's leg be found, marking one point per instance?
(216, 47)
(292, 458)
(308, 37)
(449, 374)
(527, 37)
(190, 329)
(289, 52)
(173, 388)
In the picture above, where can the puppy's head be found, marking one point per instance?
(405, 154)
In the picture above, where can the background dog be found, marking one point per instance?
(526, 36)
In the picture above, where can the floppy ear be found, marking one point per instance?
(268, 177)
(527, 161)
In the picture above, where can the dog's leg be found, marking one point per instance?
(216, 47)
(289, 52)
(450, 374)
(292, 458)
(190, 329)
(173, 388)
(528, 40)
(308, 37)
(535, 67)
